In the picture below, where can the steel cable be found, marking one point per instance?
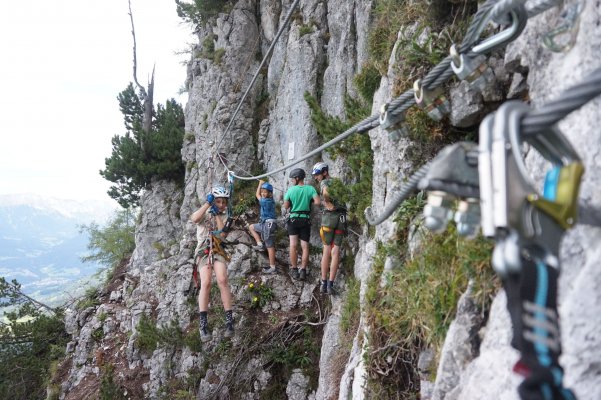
(436, 77)
(407, 189)
(533, 123)
(439, 73)
(252, 82)
(537, 121)
(536, 7)
(362, 126)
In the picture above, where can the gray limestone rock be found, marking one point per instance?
(460, 346)
(467, 105)
(297, 388)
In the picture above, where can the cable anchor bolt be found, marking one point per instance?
(467, 218)
(393, 124)
(438, 211)
(474, 70)
(431, 101)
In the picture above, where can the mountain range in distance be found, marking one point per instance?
(41, 244)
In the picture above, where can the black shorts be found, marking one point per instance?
(300, 227)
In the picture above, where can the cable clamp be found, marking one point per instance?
(474, 70)
(432, 101)
(393, 124)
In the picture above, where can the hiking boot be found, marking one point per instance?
(259, 247)
(269, 270)
(205, 335)
(229, 330)
(330, 290)
(302, 274)
(294, 273)
(324, 286)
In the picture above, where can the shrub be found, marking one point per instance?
(417, 303)
(354, 190)
(259, 293)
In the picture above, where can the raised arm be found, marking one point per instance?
(198, 215)
(258, 193)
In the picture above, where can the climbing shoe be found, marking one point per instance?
(324, 286)
(259, 247)
(294, 273)
(302, 274)
(205, 335)
(269, 270)
(330, 290)
(229, 330)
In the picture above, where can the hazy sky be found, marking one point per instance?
(62, 65)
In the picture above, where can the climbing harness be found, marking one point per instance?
(492, 187)
(527, 227)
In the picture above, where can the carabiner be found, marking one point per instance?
(518, 23)
(563, 37)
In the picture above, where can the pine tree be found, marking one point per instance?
(139, 156)
(32, 338)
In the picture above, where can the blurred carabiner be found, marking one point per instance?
(519, 17)
(563, 37)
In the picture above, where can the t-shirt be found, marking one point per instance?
(202, 230)
(267, 208)
(300, 197)
(325, 183)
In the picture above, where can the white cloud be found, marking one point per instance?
(63, 64)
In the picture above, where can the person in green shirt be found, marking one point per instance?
(332, 231)
(298, 199)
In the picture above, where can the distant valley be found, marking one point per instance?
(41, 244)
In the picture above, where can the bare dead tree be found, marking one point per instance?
(147, 95)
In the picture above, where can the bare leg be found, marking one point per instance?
(254, 234)
(335, 261)
(293, 251)
(305, 258)
(271, 254)
(325, 261)
(223, 283)
(205, 287)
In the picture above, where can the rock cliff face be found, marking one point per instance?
(320, 53)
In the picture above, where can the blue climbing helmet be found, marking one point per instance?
(319, 168)
(267, 186)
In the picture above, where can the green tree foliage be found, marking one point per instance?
(31, 338)
(113, 243)
(356, 189)
(200, 10)
(139, 156)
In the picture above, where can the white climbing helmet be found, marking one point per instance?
(319, 168)
(220, 192)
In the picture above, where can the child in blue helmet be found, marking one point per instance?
(264, 231)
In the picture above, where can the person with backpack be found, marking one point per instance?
(212, 226)
(264, 231)
(298, 199)
(332, 230)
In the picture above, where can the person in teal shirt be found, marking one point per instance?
(298, 200)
